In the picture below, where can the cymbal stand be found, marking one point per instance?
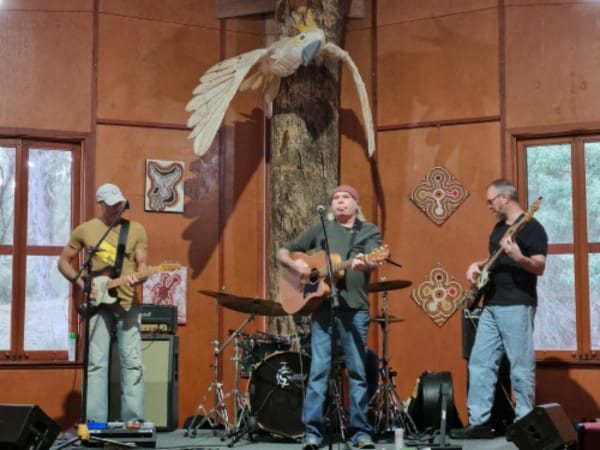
(385, 404)
(219, 414)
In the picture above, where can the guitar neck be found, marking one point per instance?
(139, 275)
(335, 267)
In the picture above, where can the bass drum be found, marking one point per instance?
(276, 393)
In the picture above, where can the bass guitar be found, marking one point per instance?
(303, 296)
(104, 285)
(473, 294)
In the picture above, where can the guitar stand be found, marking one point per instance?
(219, 414)
(386, 405)
(444, 394)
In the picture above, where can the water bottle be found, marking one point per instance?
(398, 438)
(72, 348)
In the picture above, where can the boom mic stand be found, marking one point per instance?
(86, 269)
(336, 408)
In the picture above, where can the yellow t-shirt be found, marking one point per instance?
(87, 235)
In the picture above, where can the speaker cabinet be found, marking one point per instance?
(26, 427)
(546, 427)
(161, 381)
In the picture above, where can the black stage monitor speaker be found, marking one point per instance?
(546, 427)
(26, 427)
(426, 408)
(161, 381)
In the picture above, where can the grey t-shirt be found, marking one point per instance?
(363, 237)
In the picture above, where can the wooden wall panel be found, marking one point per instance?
(471, 154)
(46, 82)
(552, 63)
(439, 68)
(393, 11)
(147, 67)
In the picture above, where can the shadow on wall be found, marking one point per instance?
(71, 411)
(554, 385)
(217, 182)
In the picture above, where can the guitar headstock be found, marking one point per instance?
(168, 266)
(533, 208)
(378, 255)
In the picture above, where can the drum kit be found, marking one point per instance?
(277, 370)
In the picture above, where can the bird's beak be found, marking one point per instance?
(309, 52)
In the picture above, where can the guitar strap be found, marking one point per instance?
(116, 270)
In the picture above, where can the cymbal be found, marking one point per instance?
(391, 319)
(249, 305)
(388, 285)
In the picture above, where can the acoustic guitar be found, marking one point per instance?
(304, 296)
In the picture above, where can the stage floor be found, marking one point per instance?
(206, 440)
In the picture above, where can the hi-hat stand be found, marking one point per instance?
(219, 415)
(385, 405)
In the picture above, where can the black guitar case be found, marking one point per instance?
(426, 408)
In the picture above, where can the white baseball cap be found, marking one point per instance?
(109, 194)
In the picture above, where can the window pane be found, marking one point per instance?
(555, 317)
(592, 187)
(549, 175)
(5, 300)
(594, 261)
(46, 305)
(7, 194)
(49, 206)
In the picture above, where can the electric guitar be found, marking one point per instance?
(104, 286)
(472, 295)
(299, 295)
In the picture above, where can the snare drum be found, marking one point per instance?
(276, 393)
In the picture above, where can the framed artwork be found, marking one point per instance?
(168, 288)
(164, 186)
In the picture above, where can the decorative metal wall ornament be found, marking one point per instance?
(164, 186)
(168, 288)
(438, 295)
(439, 194)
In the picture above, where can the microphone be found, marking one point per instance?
(321, 209)
(126, 205)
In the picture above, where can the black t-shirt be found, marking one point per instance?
(509, 283)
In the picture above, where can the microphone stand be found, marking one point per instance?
(336, 407)
(87, 289)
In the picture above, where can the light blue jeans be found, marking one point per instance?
(502, 329)
(352, 327)
(126, 325)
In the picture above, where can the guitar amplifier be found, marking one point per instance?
(159, 318)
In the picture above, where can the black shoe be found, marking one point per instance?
(481, 431)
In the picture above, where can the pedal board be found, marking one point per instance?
(118, 432)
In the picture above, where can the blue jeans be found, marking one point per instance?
(502, 329)
(351, 330)
(126, 324)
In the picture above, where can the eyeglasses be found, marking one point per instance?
(491, 200)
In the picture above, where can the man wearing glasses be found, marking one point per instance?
(506, 322)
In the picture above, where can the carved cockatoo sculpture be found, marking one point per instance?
(221, 82)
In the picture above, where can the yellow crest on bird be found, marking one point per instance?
(309, 23)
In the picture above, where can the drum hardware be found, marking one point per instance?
(385, 405)
(219, 413)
